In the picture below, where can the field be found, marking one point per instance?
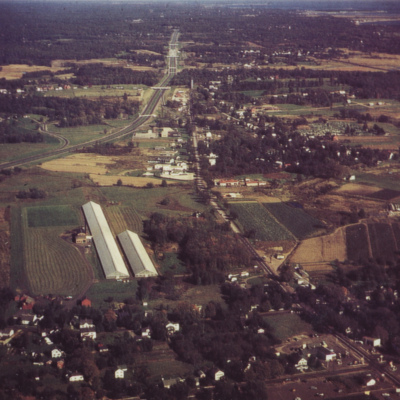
(122, 218)
(315, 254)
(253, 215)
(357, 242)
(16, 71)
(287, 325)
(119, 291)
(13, 151)
(357, 189)
(295, 219)
(146, 201)
(51, 216)
(161, 361)
(110, 180)
(41, 260)
(81, 163)
(382, 239)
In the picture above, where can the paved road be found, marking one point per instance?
(145, 115)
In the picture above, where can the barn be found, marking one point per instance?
(110, 257)
(137, 256)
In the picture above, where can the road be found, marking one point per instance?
(202, 187)
(145, 115)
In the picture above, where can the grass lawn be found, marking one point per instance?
(287, 325)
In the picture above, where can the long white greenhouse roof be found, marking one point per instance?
(110, 257)
(136, 254)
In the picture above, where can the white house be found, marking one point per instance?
(120, 372)
(172, 328)
(56, 353)
(302, 364)
(76, 378)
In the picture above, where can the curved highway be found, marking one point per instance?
(146, 114)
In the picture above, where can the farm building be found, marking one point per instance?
(136, 254)
(110, 257)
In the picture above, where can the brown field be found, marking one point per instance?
(16, 71)
(357, 189)
(316, 253)
(110, 180)
(81, 163)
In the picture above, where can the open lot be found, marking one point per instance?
(87, 163)
(315, 252)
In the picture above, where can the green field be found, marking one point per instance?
(296, 220)
(51, 264)
(119, 291)
(42, 262)
(255, 216)
(51, 216)
(147, 201)
(287, 325)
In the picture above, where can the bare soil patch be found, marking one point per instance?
(16, 71)
(357, 189)
(81, 163)
(314, 252)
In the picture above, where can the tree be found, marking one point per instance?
(119, 182)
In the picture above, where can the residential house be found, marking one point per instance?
(86, 323)
(172, 328)
(217, 374)
(56, 353)
(76, 378)
(167, 383)
(302, 364)
(88, 333)
(120, 372)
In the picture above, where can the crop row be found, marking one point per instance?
(51, 264)
(253, 216)
(296, 220)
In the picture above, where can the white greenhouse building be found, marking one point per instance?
(107, 249)
(137, 256)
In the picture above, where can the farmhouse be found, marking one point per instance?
(137, 256)
(110, 258)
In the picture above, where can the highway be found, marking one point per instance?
(145, 115)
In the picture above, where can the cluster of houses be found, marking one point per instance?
(239, 182)
(47, 88)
